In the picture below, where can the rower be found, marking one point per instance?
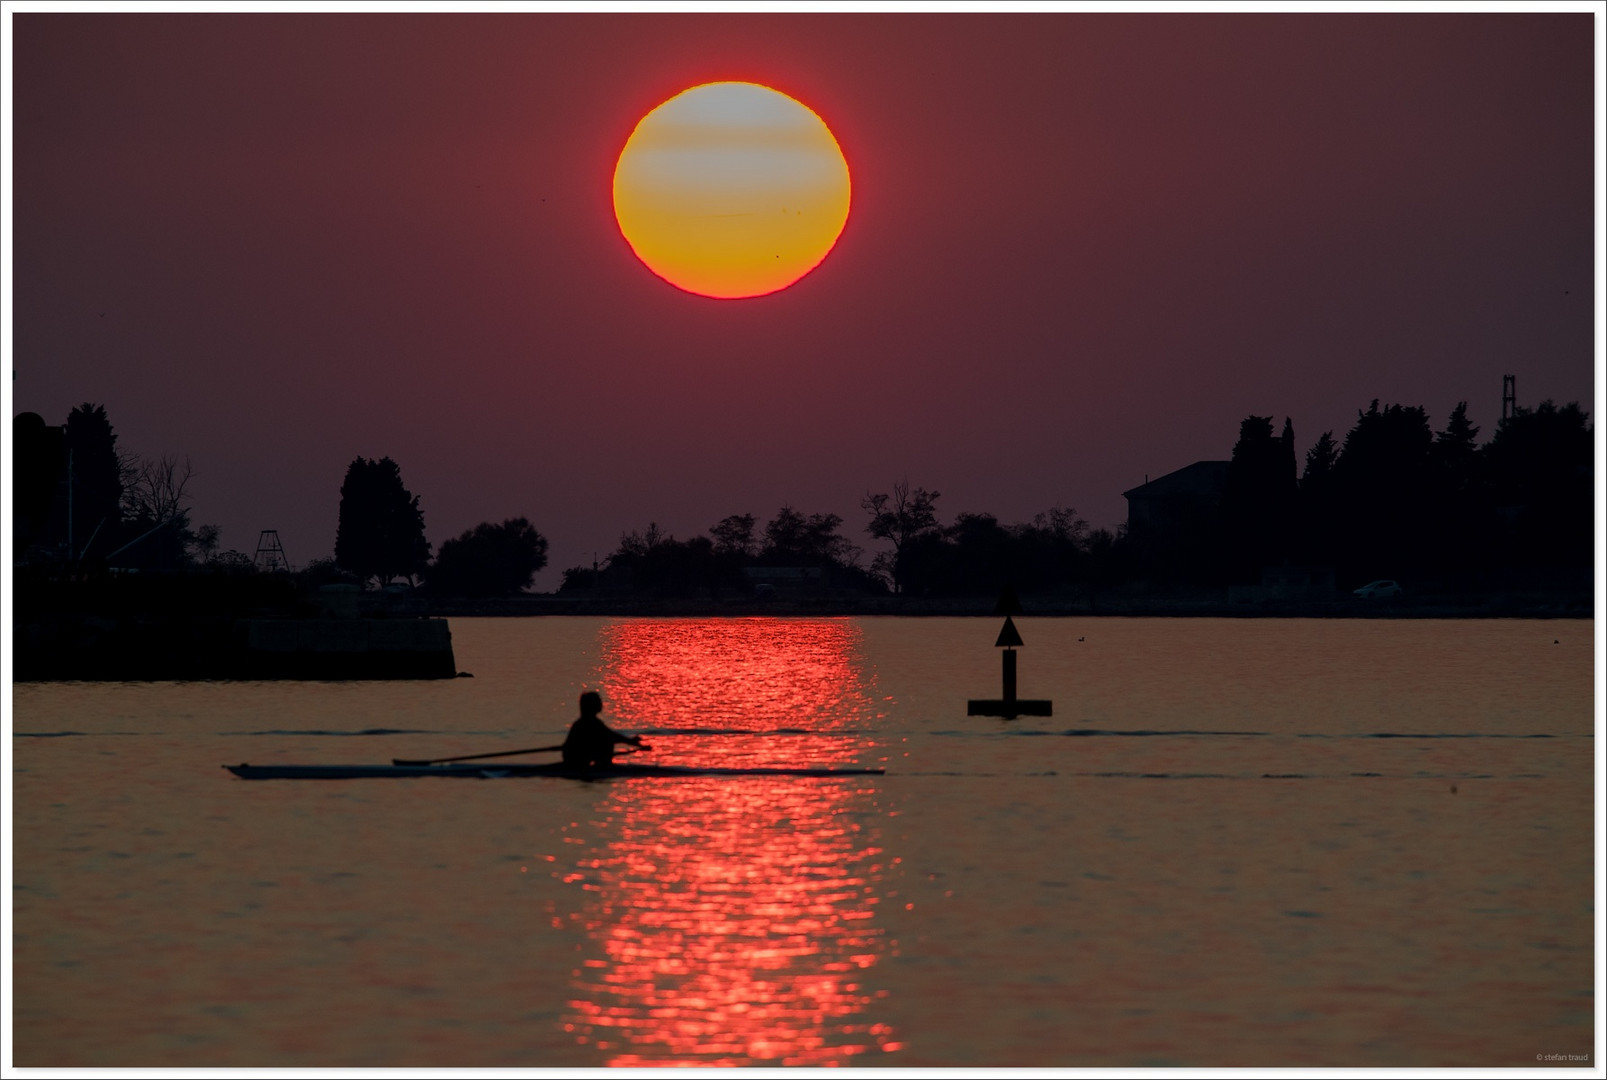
(591, 742)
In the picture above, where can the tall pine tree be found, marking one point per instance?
(1260, 500)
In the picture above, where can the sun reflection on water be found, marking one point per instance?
(733, 921)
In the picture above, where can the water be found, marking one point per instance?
(1236, 843)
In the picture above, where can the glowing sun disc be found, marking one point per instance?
(731, 189)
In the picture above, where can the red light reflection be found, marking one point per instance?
(735, 917)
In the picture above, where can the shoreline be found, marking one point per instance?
(391, 636)
(1515, 606)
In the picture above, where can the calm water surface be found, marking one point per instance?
(1236, 843)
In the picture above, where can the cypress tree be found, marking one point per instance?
(381, 530)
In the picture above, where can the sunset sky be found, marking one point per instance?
(1081, 249)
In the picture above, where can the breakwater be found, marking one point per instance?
(157, 648)
(154, 627)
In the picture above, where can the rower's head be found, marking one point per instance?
(591, 703)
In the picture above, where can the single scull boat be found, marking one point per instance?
(619, 770)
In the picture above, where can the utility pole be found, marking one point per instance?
(1509, 397)
(70, 548)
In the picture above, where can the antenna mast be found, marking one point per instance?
(270, 554)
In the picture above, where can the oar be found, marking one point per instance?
(474, 757)
(500, 753)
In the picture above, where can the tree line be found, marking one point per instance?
(809, 552)
(1391, 499)
(653, 563)
(83, 502)
(380, 537)
(1396, 497)
(80, 498)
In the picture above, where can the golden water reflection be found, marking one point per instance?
(732, 921)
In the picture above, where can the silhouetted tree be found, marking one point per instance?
(489, 560)
(733, 536)
(1318, 512)
(205, 543)
(1109, 560)
(156, 530)
(900, 519)
(381, 529)
(1461, 521)
(157, 490)
(1286, 459)
(790, 539)
(1320, 461)
(580, 578)
(1388, 449)
(1541, 485)
(1456, 451)
(1382, 484)
(231, 561)
(1050, 551)
(653, 563)
(1062, 523)
(979, 556)
(638, 544)
(95, 474)
(683, 568)
(1260, 500)
(321, 572)
(123, 507)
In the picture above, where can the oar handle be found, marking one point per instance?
(474, 757)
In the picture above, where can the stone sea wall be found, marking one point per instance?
(157, 648)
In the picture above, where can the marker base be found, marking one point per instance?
(1009, 708)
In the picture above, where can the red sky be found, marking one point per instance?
(1082, 248)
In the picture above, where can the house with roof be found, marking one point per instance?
(1188, 499)
(1175, 522)
(1179, 528)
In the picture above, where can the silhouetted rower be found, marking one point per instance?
(591, 742)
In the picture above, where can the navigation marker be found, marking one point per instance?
(1008, 706)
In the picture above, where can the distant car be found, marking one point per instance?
(1378, 590)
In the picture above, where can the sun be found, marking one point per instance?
(731, 190)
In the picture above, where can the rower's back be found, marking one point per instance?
(590, 741)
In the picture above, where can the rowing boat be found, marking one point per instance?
(619, 770)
